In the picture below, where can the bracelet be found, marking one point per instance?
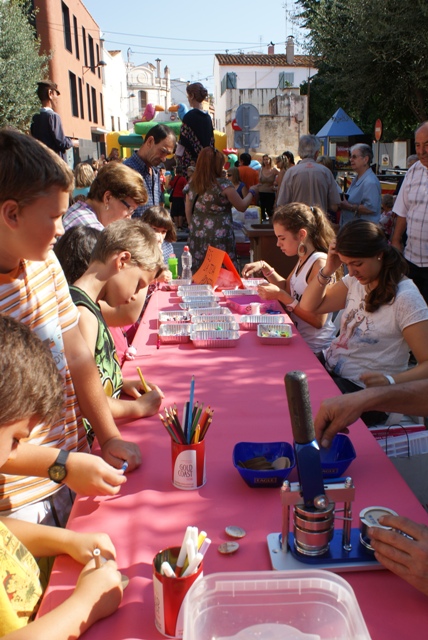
(292, 305)
(253, 193)
(390, 379)
(327, 279)
(268, 275)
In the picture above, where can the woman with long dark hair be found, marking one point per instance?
(209, 202)
(384, 315)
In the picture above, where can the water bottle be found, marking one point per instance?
(186, 264)
(173, 265)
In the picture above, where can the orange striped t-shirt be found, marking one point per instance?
(36, 293)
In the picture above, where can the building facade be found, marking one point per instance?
(148, 87)
(72, 37)
(270, 82)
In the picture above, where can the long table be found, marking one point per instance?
(245, 386)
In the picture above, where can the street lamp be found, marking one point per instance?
(101, 63)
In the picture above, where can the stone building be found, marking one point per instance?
(271, 82)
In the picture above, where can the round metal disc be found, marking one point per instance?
(235, 532)
(227, 548)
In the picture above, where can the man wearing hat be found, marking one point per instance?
(46, 126)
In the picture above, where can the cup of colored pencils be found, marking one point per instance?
(188, 441)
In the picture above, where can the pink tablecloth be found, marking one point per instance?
(245, 386)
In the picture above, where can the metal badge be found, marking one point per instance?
(235, 532)
(226, 548)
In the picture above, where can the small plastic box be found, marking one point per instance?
(208, 325)
(173, 285)
(250, 322)
(242, 304)
(174, 316)
(199, 303)
(274, 334)
(225, 338)
(174, 332)
(194, 288)
(315, 604)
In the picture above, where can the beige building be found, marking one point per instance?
(270, 82)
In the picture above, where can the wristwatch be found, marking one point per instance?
(57, 471)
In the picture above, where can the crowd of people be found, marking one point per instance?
(117, 240)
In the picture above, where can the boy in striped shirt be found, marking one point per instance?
(34, 194)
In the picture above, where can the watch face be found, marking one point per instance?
(57, 472)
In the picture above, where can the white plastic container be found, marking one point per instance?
(304, 604)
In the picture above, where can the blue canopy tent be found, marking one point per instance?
(340, 125)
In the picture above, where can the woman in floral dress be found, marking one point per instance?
(209, 202)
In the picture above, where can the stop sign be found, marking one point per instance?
(378, 130)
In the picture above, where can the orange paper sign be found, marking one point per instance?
(211, 271)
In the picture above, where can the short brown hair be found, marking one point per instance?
(121, 181)
(31, 385)
(28, 169)
(129, 235)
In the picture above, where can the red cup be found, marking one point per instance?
(188, 465)
(170, 594)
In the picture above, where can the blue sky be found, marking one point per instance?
(186, 39)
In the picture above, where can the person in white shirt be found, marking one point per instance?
(411, 207)
(384, 314)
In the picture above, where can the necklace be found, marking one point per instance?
(302, 262)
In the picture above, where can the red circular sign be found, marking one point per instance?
(378, 129)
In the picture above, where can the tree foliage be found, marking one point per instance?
(373, 58)
(21, 66)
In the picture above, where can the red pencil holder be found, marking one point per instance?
(170, 594)
(188, 465)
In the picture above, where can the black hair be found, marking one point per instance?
(364, 239)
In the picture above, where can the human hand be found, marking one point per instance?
(251, 268)
(269, 292)
(81, 546)
(165, 276)
(117, 451)
(405, 557)
(149, 403)
(333, 261)
(374, 379)
(100, 589)
(90, 475)
(334, 416)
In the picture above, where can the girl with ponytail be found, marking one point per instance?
(303, 231)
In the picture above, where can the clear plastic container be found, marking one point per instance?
(305, 604)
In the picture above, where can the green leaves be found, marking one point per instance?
(21, 66)
(373, 58)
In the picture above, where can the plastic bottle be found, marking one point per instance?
(186, 264)
(173, 265)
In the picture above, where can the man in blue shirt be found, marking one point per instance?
(158, 144)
